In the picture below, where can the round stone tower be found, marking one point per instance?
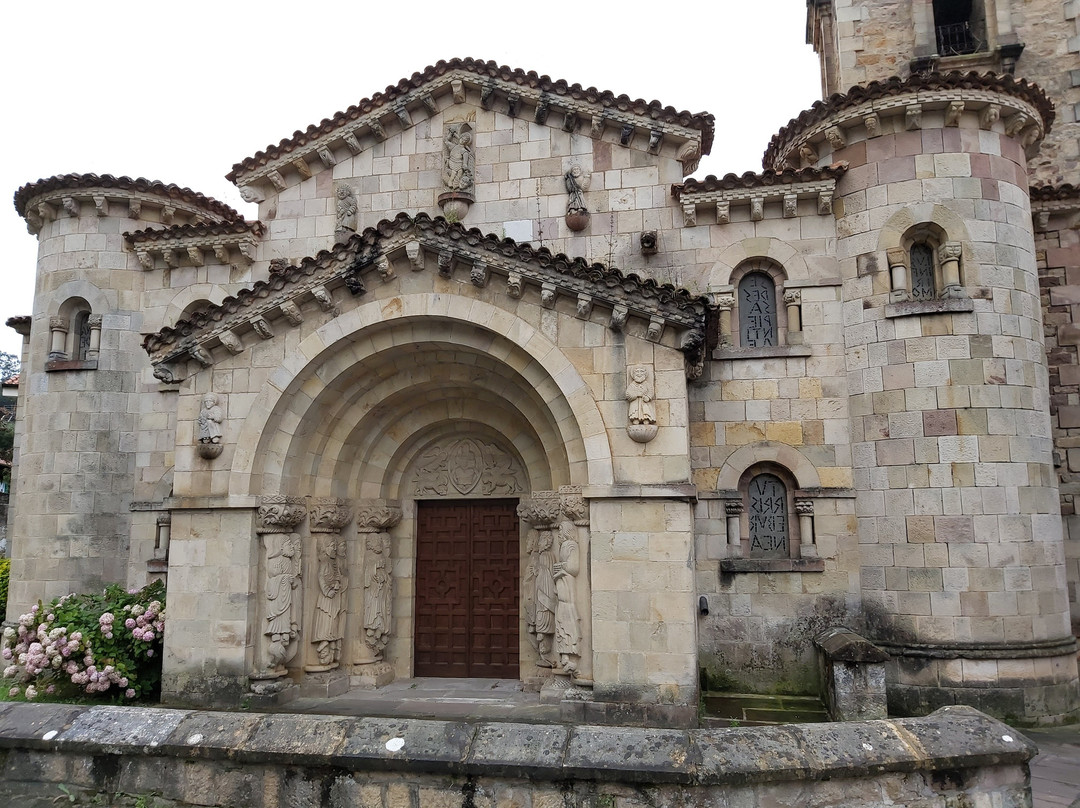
(960, 533)
(82, 373)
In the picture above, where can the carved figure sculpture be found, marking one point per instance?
(346, 212)
(541, 512)
(528, 585)
(567, 622)
(326, 632)
(377, 591)
(282, 578)
(639, 394)
(574, 179)
(210, 418)
(546, 600)
(458, 173)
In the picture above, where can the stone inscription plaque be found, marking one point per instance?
(768, 517)
(757, 311)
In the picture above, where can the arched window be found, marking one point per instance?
(925, 265)
(74, 334)
(758, 315)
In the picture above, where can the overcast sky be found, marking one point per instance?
(178, 92)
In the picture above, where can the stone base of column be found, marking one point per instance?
(1020, 689)
(271, 693)
(324, 685)
(371, 675)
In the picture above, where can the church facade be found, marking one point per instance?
(490, 388)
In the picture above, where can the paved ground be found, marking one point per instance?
(1055, 772)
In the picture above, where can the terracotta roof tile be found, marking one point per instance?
(1020, 88)
(750, 179)
(702, 121)
(240, 226)
(1051, 193)
(75, 181)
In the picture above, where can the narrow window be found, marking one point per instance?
(922, 272)
(960, 26)
(767, 511)
(757, 311)
(81, 336)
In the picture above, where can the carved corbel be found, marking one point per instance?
(302, 168)
(101, 205)
(548, 295)
(70, 206)
(989, 115)
(251, 193)
(277, 180)
(689, 155)
(689, 212)
(872, 124)
(221, 253)
(596, 126)
(146, 259)
(757, 209)
(292, 312)
(584, 306)
(618, 317)
(655, 330)
(262, 327)
(195, 255)
(170, 258)
(953, 113)
(351, 143)
(791, 205)
(513, 104)
(626, 134)
(415, 251)
(384, 268)
(807, 155)
(134, 208)
(1015, 123)
(201, 355)
(404, 119)
(913, 116)
(446, 264)
(323, 297)
(377, 130)
(429, 104)
(723, 212)
(479, 274)
(46, 212)
(231, 341)
(458, 89)
(836, 138)
(34, 222)
(168, 214)
(824, 203)
(1042, 220)
(540, 114)
(514, 285)
(487, 95)
(247, 250)
(354, 282)
(656, 140)
(326, 156)
(569, 121)
(165, 374)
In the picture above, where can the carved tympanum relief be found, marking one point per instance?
(466, 467)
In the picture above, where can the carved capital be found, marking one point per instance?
(164, 519)
(733, 507)
(792, 297)
(377, 515)
(541, 510)
(725, 302)
(804, 507)
(328, 514)
(58, 324)
(576, 509)
(279, 514)
(897, 257)
(951, 251)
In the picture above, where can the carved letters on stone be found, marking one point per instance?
(466, 466)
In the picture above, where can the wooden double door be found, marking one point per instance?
(467, 589)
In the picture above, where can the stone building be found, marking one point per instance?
(490, 388)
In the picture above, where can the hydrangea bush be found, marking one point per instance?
(108, 643)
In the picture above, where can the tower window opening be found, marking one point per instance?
(960, 27)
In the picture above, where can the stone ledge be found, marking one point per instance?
(777, 352)
(739, 565)
(683, 491)
(910, 308)
(70, 364)
(953, 737)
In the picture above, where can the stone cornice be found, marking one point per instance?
(279, 303)
(65, 194)
(754, 190)
(229, 242)
(1014, 106)
(1055, 207)
(20, 324)
(514, 91)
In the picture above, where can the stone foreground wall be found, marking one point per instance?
(955, 757)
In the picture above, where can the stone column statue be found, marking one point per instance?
(327, 518)
(374, 519)
(541, 512)
(277, 518)
(566, 570)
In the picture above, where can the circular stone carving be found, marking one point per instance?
(210, 450)
(642, 433)
(577, 220)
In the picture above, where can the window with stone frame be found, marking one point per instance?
(925, 266)
(71, 332)
(771, 524)
(759, 319)
(959, 27)
(923, 284)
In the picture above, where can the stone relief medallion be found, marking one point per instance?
(466, 466)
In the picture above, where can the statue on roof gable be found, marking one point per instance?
(458, 172)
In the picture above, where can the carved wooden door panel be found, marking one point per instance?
(467, 589)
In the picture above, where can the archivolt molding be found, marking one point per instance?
(780, 454)
(94, 296)
(892, 232)
(369, 257)
(772, 248)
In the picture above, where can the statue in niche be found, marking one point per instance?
(326, 633)
(567, 622)
(377, 591)
(576, 183)
(210, 418)
(639, 394)
(282, 578)
(546, 599)
(346, 212)
(458, 173)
